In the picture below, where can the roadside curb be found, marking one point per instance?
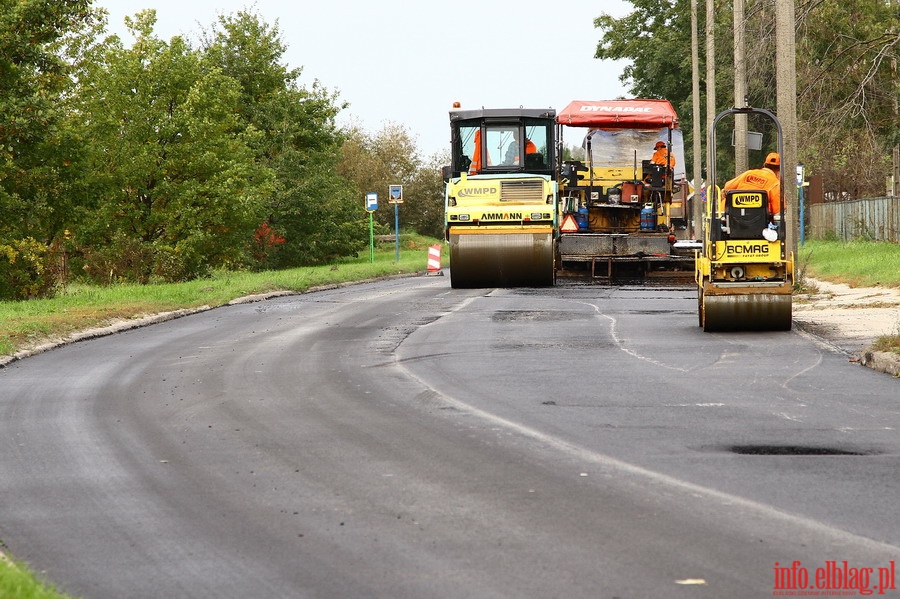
(882, 361)
(116, 327)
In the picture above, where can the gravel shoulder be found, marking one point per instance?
(850, 319)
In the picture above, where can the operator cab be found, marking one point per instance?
(502, 141)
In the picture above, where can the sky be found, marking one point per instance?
(407, 61)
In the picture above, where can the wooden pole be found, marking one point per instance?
(740, 89)
(696, 206)
(786, 90)
(710, 81)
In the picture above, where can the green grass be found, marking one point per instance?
(855, 263)
(77, 307)
(17, 582)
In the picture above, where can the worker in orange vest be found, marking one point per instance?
(766, 179)
(661, 155)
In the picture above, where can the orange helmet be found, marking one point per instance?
(773, 159)
(660, 144)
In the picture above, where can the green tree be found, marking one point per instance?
(425, 193)
(655, 39)
(172, 166)
(375, 161)
(390, 156)
(847, 93)
(846, 69)
(311, 206)
(36, 150)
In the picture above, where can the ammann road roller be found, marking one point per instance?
(501, 198)
(744, 274)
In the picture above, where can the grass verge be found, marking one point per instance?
(857, 264)
(16, 581)
(25, 324)
(854, 263)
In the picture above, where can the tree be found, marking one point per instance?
(655, 37)
(173, 170)
(426, 197)
(36, 151)
(375, 161)
(847, 93)
(311, 206)
(847, 84)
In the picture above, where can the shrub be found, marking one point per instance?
(24, 272)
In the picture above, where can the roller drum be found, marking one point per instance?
(746, 312)
(501, 260)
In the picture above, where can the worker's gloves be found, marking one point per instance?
(773, 226)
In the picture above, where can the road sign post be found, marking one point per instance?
(371, 207)
(396, 198)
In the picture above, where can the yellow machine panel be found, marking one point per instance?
(748, 251)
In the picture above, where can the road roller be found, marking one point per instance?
(501, 198)
(744, 273)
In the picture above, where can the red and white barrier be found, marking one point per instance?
(434, 260)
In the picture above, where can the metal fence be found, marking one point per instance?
(875, 219)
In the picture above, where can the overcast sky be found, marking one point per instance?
(407, 61)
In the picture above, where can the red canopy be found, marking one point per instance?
(618, 114)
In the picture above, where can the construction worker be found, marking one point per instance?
(766, 179)
(512, 153)
(661, 155)
(475, 166)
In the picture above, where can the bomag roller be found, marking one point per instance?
(501, 198)
(744, 273)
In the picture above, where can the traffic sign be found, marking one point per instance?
(371, 201)
(569, 224)
(396, 194)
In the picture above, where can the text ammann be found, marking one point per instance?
(501, 216)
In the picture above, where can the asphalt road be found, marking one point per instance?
(402, 439)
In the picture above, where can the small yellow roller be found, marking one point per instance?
(745, 274)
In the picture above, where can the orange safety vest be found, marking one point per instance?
(530, 148)
(660, 156)
(475, 167)
(759, 178)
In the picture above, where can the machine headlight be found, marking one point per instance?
(464, 217)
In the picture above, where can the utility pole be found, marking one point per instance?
(895, 179)
(696, 205)
(740, 88)
(786, 91)
(710, 87)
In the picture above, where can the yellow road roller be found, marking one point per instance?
(744, 273)
(501, 198)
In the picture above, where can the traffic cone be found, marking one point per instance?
(434, 260)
